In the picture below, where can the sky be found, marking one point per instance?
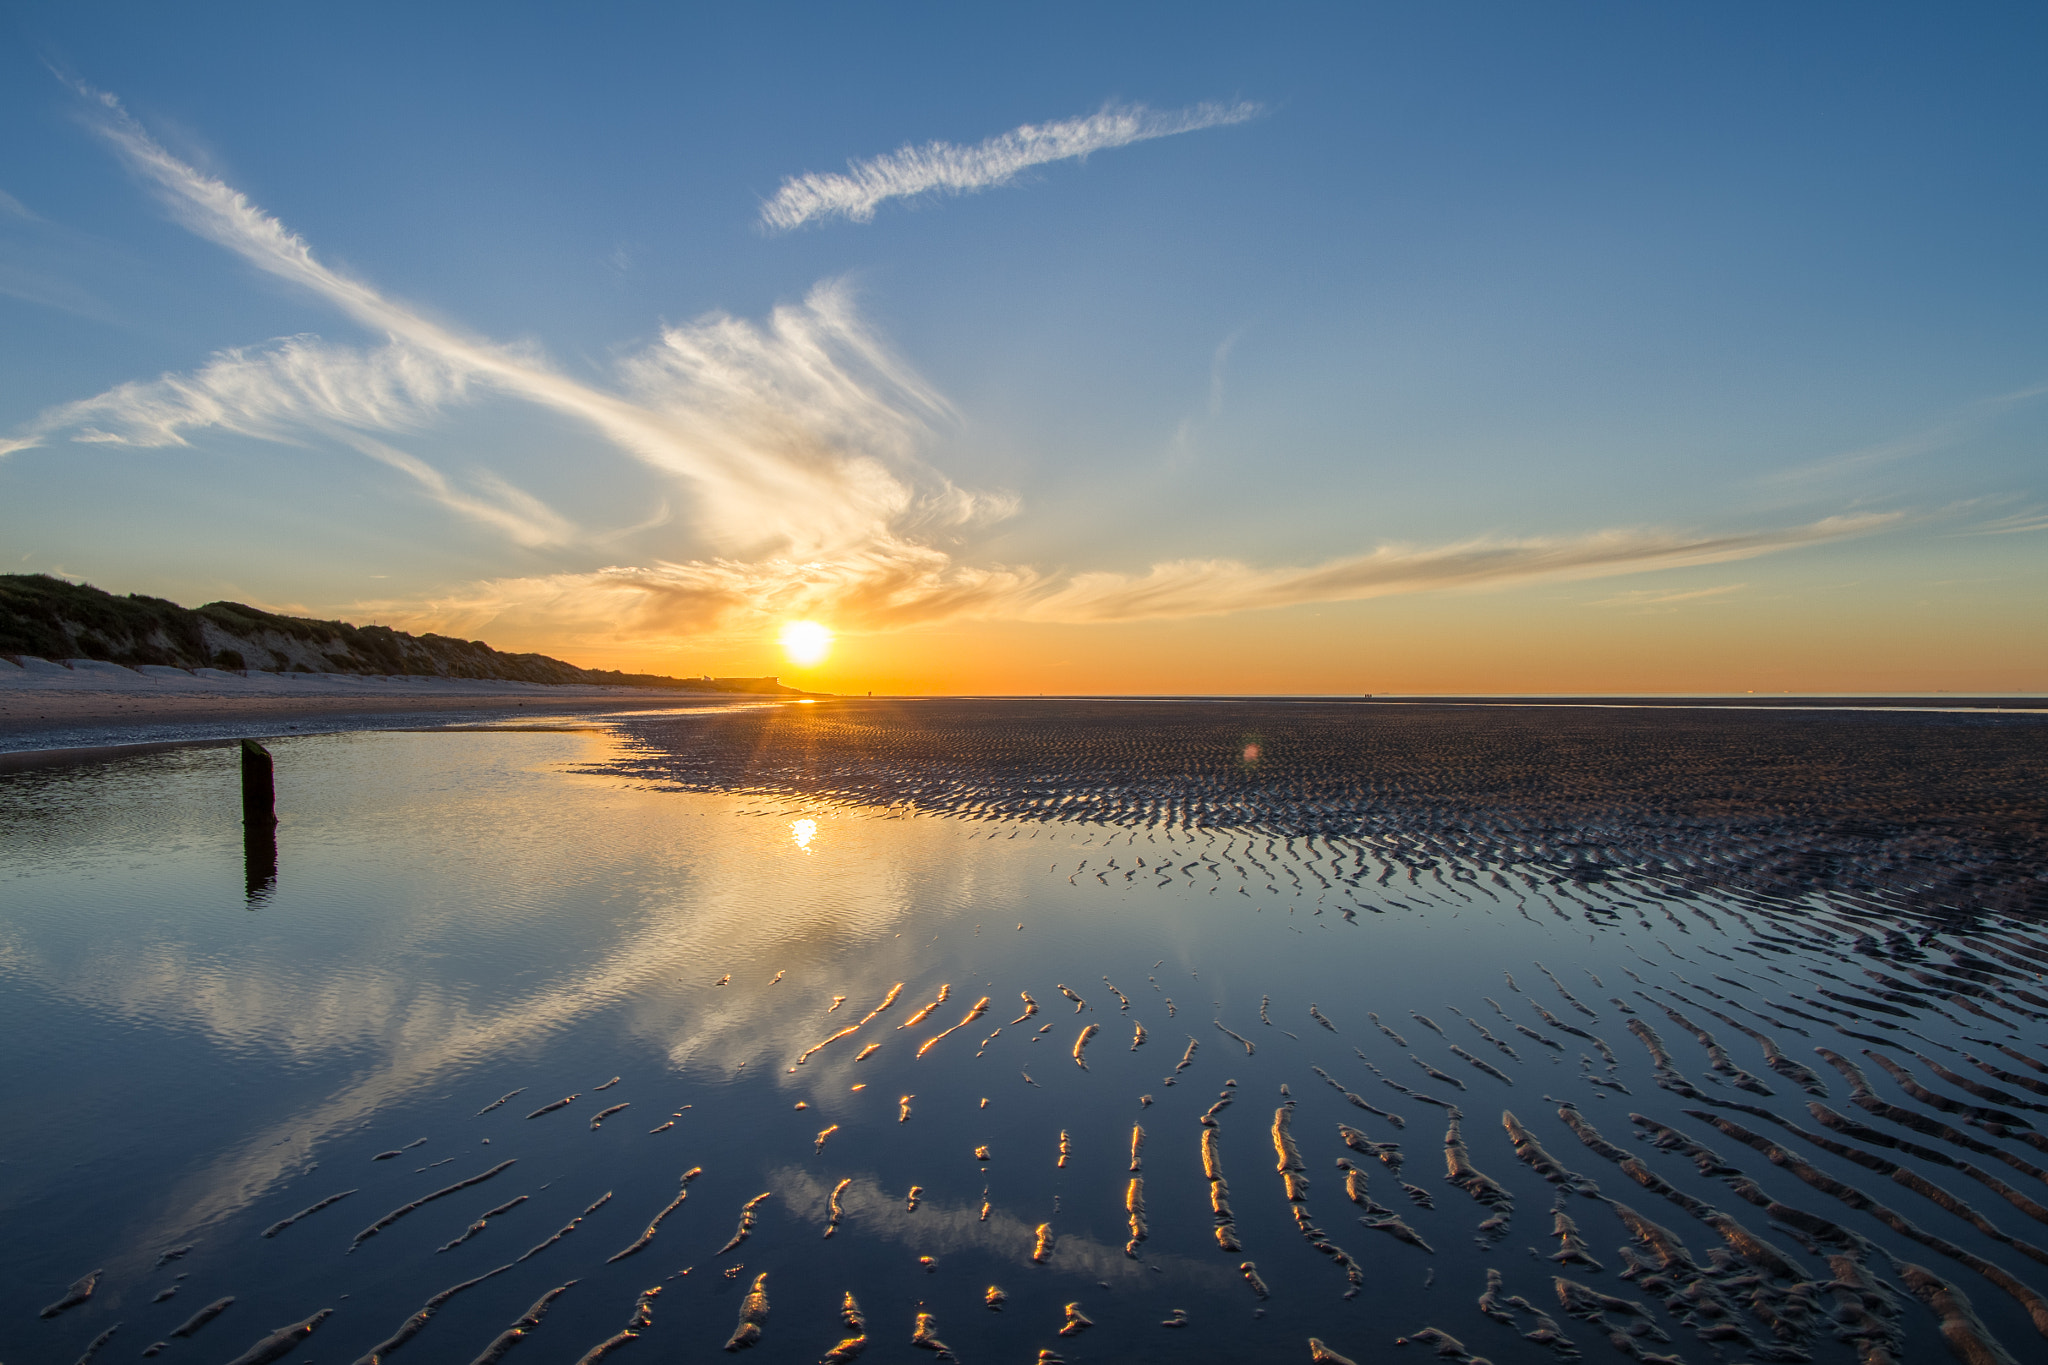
(1296, 349)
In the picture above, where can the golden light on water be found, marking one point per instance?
(803, 831)
(806, 642)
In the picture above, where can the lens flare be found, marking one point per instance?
(806, 642)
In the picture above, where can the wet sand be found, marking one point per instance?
(1912, 812)
(49, 720)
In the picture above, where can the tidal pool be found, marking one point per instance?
(606, 984)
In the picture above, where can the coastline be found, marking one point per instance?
(53, 717)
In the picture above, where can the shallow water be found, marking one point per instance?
(461, 916)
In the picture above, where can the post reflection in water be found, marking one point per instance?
(259, 862)
(517, 998)
(259, 823)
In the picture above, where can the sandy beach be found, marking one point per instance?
(53, 713)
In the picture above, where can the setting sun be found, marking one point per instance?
(806, 642)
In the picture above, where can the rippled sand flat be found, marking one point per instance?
(1910, 811)
(1014, 1031)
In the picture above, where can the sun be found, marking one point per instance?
(806, 642)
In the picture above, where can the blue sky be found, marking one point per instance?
(1563, 313)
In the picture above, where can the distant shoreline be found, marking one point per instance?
(1816, 701)
(106, 712)
(60, 717)
(1852, 701)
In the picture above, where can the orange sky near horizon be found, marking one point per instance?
(1781, 632)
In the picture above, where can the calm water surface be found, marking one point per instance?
(463, 916)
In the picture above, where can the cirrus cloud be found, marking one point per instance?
(798, 440)
(894, 584)
(948, 168)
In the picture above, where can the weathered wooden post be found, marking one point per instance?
(259, 786)
(259, 821)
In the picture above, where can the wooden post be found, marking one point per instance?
(259, 786)
(259, 822)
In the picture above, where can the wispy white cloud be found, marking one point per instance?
(798, 437)
(1205, 587)
(1938, 436)
(948, 168)
(2019, 523)
(894, 584)
(518, 514)
(278, 392)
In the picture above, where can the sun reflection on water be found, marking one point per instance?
(803, 831)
